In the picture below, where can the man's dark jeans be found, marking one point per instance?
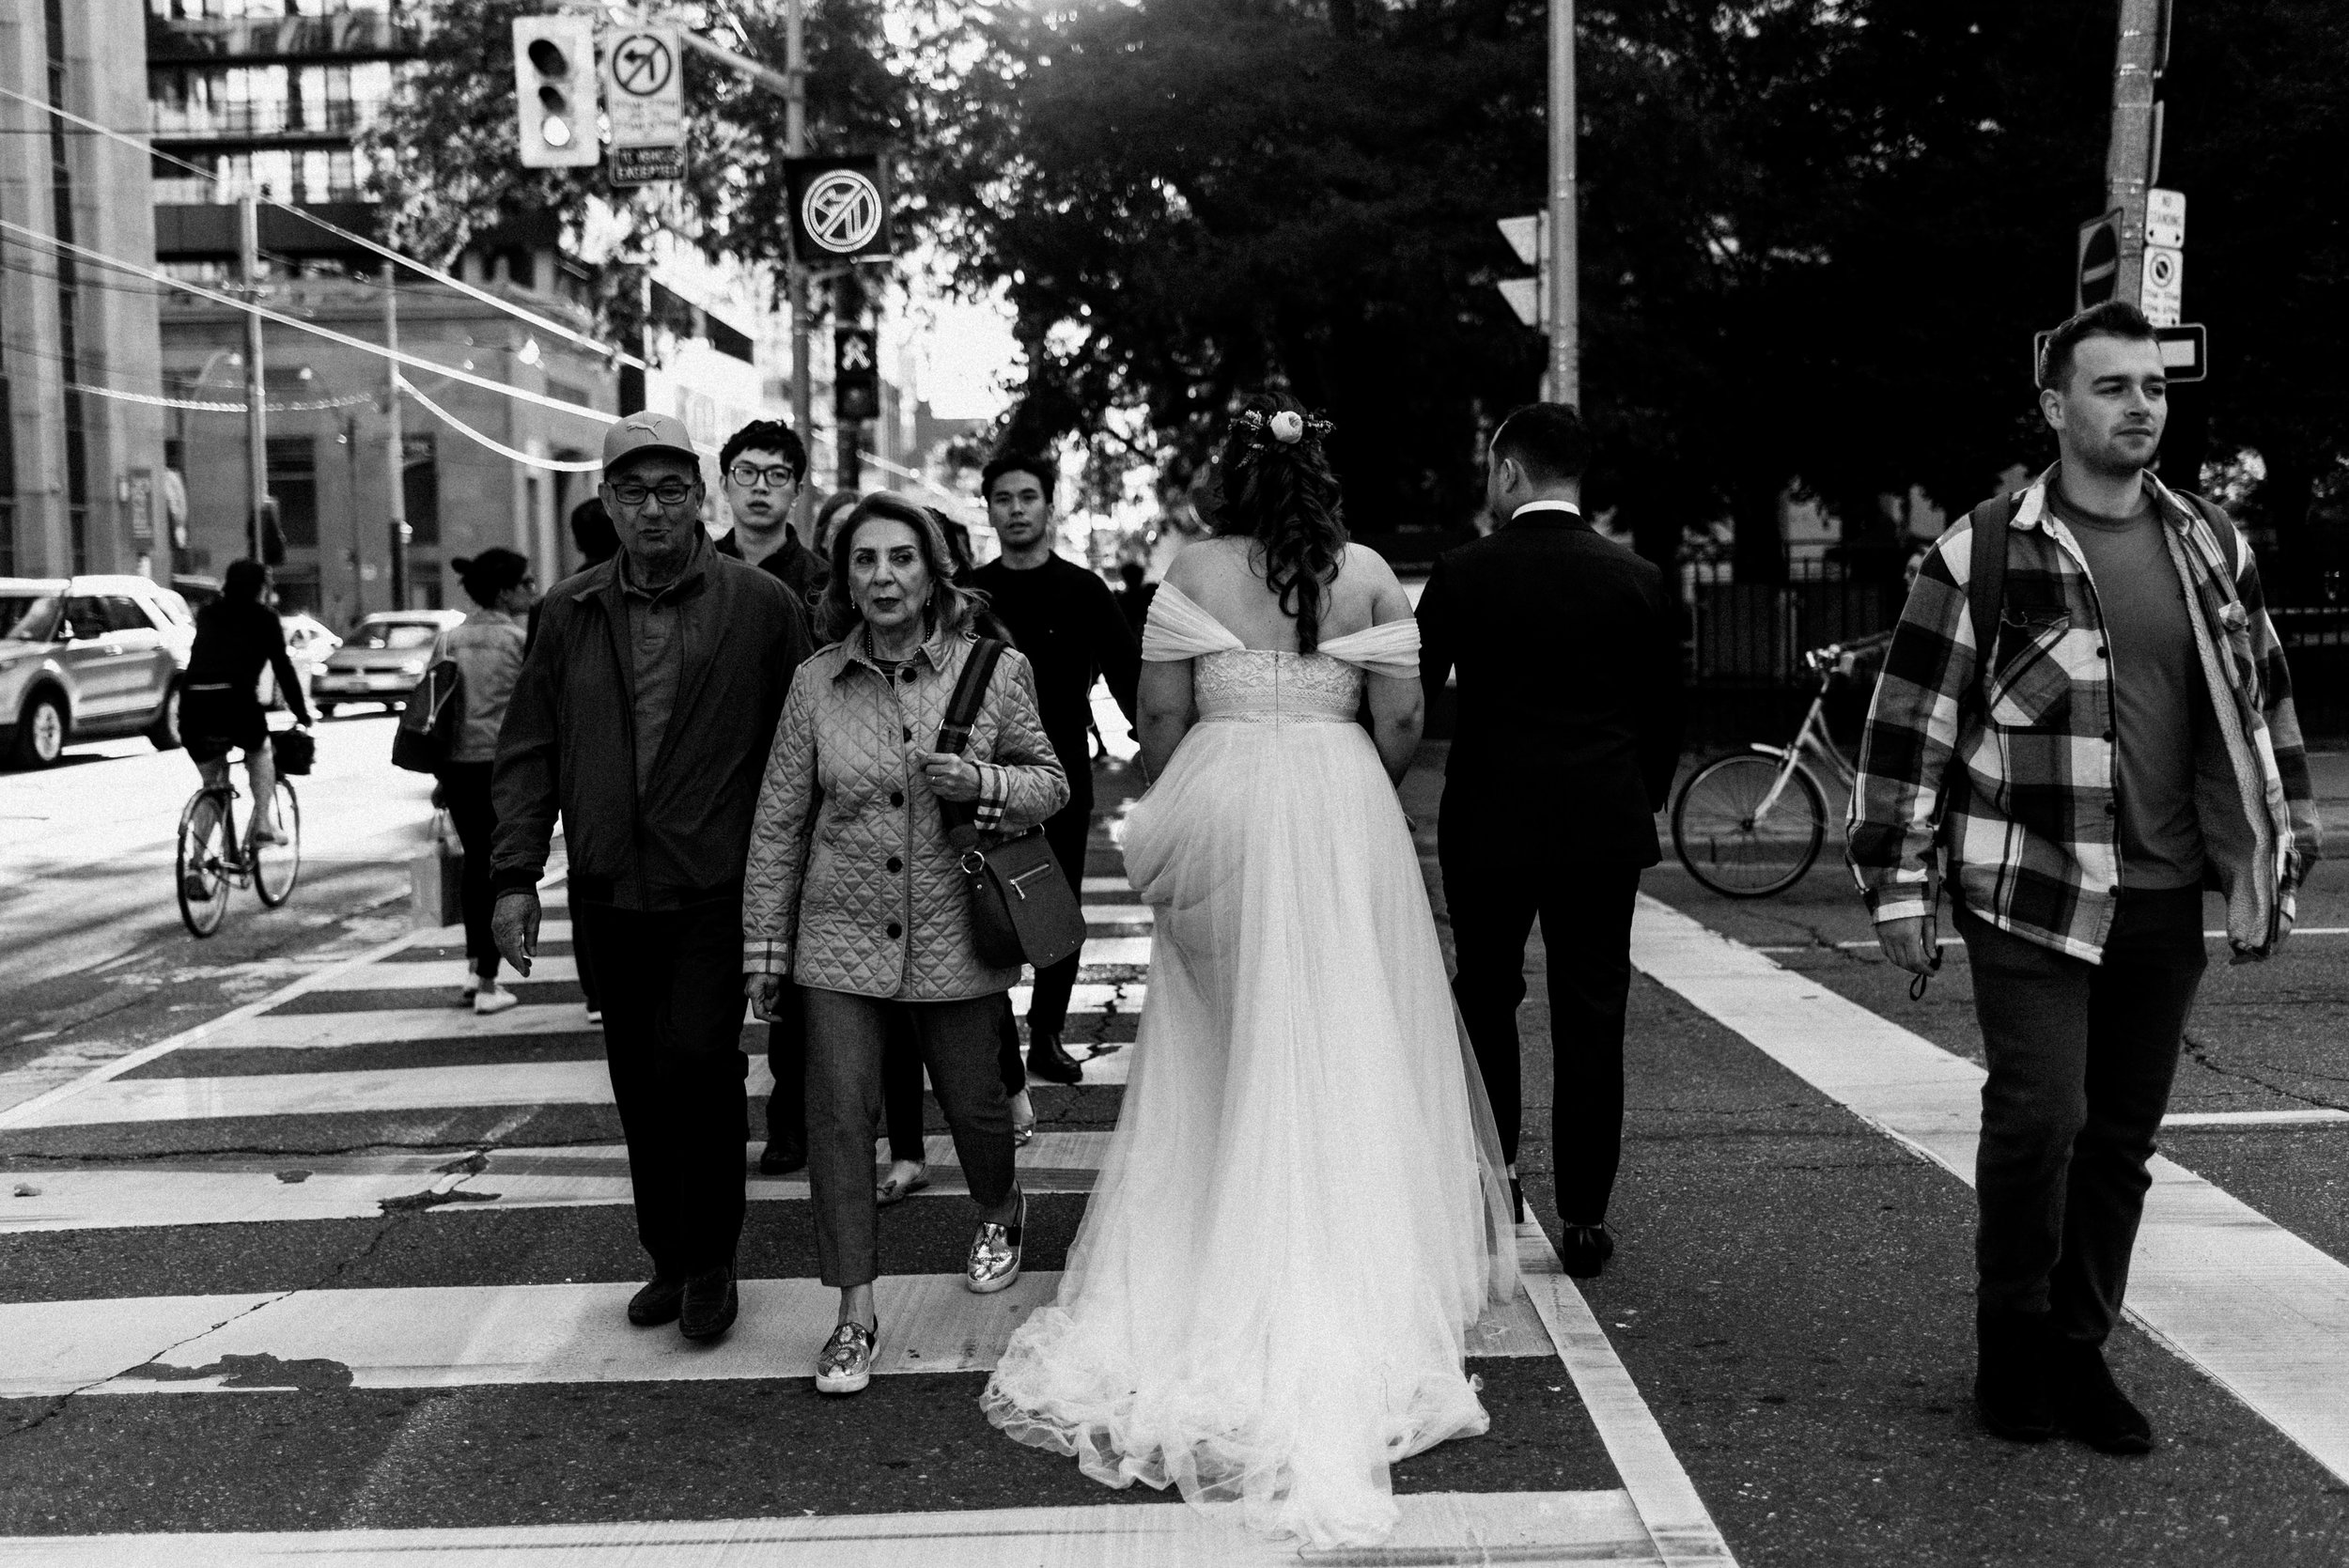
(1494, 885)
(2081, 1056)
(1068, 833)
(671, 993)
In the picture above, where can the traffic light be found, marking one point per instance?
(555, 91)
(855, 375)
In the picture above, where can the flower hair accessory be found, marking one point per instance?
(1286, 427)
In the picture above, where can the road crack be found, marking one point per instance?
(2203, 1057)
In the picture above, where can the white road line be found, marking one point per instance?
(2259, 1310)
(2313, 1116)
(474, 1336)
(1527, 1527)
(419, 1026)
(1680, 1528)
(443, 975)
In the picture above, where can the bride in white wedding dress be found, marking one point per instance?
(1303, 1211)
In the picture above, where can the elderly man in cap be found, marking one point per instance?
(644, 714)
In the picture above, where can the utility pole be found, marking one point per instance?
(2129, 156)
(256, 414)
(1565, 347)
(795, 275)
(395, 442)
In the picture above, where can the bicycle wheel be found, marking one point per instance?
(275, 867)
(198, 870)
(1724, 842)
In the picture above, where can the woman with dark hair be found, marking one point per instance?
(854, 891)
(1303, 1211)
(488, 648)
(237, 636)
(828, 514)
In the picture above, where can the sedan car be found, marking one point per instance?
(307, 643)
(85, 657)
(383, 660)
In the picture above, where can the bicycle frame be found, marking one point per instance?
(1811, 738)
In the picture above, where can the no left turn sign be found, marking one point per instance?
(643, 91)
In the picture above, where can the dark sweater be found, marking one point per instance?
(1067, 622)
(233, 641)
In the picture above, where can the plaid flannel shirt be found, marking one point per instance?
(2007, 786)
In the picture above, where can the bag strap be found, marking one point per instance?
(962, 708)
(1985, 579)
(2230, 539)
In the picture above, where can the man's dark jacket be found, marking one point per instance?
(791, 564)
(569, 740)
(1569, 649)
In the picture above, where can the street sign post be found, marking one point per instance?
(2185, 351)
(2164, 218)
(840, 209)
(644, 96)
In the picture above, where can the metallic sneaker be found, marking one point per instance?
(994, 1261)
(844, 1365)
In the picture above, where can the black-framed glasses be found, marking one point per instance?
(774, 476)
(669, 493)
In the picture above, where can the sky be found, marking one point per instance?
(965, 347)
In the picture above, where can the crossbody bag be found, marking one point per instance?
(1023, 909)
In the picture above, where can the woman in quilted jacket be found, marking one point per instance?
(853, 891)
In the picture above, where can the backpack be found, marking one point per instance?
(428, 719)
(1985, 581)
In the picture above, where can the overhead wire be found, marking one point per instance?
(483, 295)
(480, 438)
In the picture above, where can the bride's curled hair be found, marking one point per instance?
(1279, 491)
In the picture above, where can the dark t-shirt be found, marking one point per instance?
(1068, 622)
(2158, 701)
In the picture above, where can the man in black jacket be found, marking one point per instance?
(1068, 622)
(643, 713)
(1569, 651)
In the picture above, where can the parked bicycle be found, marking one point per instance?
(1749, 824)
(214, 857)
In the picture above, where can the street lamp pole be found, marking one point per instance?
(256, 414)
(1566, 348)
(795, 275)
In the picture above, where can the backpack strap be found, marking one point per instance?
(1985, 579)
(2230, 539)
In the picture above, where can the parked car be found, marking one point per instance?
(307, 643)
(85, 657)
(381, 661)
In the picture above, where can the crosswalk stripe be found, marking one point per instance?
(444, 975)
(2262, 1311)
(1532, 1529)
(472, 1336)
(372, 1026)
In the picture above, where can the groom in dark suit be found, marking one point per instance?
(1569, 651)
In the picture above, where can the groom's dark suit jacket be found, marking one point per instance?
(1569, 649)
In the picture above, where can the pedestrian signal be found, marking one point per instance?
(555, 91)
(855, 375)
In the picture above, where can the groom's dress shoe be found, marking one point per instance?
(2091, 1405)
(659, 1302)
(1048, 1062)
(1584, 1250)
(710, 1303)
(782, 1158)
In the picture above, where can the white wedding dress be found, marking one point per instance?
(1303, 1211)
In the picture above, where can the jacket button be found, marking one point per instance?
(896, 930)
(896, 796)
(2112, 810)
(906, 731)
(2111, 737)
(896, 864)
(906, 675)
(2103, 653)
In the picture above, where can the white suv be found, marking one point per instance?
(83, 657)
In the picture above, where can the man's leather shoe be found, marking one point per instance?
(1047, 1061)
(659, 1302)
(2012, 1376)
(2091, 1405)
(1585, 1249)
(710, 1303)
(779, 1158)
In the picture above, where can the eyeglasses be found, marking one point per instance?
(669, 493)
(747, 474)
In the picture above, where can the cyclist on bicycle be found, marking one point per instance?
(220, 703)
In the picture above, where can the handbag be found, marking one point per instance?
(294, 751)
(1023, 909)
(428, 719)
(436, 877)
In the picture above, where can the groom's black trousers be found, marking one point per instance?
(1496, 883)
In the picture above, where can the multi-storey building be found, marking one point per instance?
(82, 456)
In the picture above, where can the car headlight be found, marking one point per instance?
(413, 667)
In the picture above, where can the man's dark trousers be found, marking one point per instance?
(1495, 885)
(672, 992)
(2080, 1060)
(1068, 833)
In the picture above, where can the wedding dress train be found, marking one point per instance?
(1303, 1211)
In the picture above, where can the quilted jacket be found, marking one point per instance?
(852, 886)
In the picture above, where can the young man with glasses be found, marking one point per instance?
(764, 467)
(643, 713)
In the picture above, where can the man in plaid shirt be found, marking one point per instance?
(2126, 739)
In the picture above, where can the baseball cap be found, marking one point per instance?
(645, 435)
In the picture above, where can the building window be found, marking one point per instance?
(293, 483)
(420, 489)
